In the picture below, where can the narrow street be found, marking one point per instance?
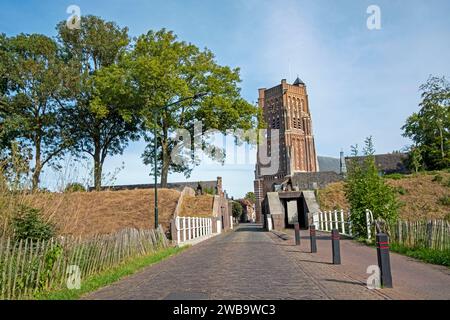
(244, 264)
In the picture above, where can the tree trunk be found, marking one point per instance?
(165, 163)
(37, 165)
(97, 169)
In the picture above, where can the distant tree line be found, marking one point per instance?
(90, 91)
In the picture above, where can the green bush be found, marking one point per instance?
(438, 178)
(428, 255)
(402, 191)
(75, 187)
(395, 176)
(366, 189)
(445, 200)
(28, 224)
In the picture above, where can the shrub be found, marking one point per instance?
(445, 200)
(395, 176)
(28, 224)
(365, 189)
(75, 187)
(438, 178)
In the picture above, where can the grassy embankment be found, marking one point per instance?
(110, 276)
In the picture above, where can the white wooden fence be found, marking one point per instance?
(191, 230)
(340, 220)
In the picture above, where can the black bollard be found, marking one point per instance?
(297, 233)
(335, 237)
(384, 262)
(312, 235)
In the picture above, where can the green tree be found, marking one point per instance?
(366, 189)
(166, 70)
(237, 210)
(36, 84)
(250, 196)
(430, 127)
(103, 120)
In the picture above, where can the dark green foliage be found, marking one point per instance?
(365, 189)
(237, 210)
(210, 191)
(428, 255)
(430, 127)
(401, 190)
(29, 224)
(445, 200)
(166, 70)
(250, 196)
(75, 187)
(395, 176)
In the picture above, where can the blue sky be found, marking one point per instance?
(360, 82)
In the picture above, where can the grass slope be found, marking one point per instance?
(422, 196)
(110, 276)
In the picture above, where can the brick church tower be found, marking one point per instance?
(286, 108)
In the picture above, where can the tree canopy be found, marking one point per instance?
(429, 128)
(165, 70)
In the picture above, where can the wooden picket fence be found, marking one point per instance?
(421, 234)
(29, 267)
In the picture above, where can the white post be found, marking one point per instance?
(231, 222)
(336, 226)
(350, 224)
(177, 225)
(189, 229)
(269, 224)
(325, 214)
(321, 220)
(203, 227)
(197, 224)
(330, 220)
(194, 231)
(342, 221)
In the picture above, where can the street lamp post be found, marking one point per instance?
(155, 148)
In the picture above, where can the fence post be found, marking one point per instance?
(342, 221)
(335, 237)
(430, 234)
(336, 222)
(331, 220)
(326, 220)
(320, 220)
(189, 229)
(297, 233)
(177, 225)
(383, 260)
(184, 228)
(312, 235)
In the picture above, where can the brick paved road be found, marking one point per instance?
(244, 264)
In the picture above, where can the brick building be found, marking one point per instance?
(286, 108)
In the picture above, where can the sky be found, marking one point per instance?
(360, 82)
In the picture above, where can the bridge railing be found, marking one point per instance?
(340, 220)
(190, 230)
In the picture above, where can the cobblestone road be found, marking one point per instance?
(244, 264)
